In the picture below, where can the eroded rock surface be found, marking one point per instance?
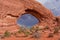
(11, 10)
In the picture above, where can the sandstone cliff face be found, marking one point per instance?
(11, 10)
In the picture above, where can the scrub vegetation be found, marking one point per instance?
(34, 32)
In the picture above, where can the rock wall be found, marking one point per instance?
(11, 10)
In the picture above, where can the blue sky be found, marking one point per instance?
(42, 1)
(53, 5)
(27, 20)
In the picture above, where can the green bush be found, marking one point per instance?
(27, 33)
(19, 31)
(24, 30)
(34, 29)
(7, 34)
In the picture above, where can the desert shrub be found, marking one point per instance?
(24, 30)
(7, 34)
(56, 30)
(34, 28)
(36, 35)
(19, 31)
(15, 33)
(36, 32)
(27, 33)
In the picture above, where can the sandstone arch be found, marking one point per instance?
(11, 10)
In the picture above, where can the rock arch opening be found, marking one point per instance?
(29, 18)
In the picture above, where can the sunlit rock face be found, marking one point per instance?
(10, 11)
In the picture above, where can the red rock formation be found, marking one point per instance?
(11, 10)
